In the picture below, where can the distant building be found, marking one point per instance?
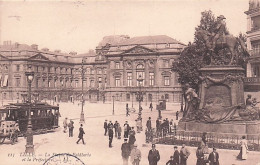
(252, 82)
(110, 71)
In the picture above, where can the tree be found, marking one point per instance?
(195, 55)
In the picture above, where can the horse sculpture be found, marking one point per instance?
(229, 41)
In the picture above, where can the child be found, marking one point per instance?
(170, 162)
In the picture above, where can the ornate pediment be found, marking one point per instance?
(138, 50)
(39, 57)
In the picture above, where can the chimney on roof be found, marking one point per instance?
(73, 53)
(34, 47)
(16, 44)
(7, 42)
(45, 49)
(57, 51)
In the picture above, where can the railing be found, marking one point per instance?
(191, 139)
(250, 80)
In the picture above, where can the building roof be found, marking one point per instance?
(158, 39)
(113, 40)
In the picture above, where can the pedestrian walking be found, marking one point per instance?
(184, 154)
(126, 129)
(214, 157)
(110, 136)
(176, 156)
(157, 125)
(135, 155)
(167, 125)
(153, 156)
(81, 133)
(125, 148)
(116, 128)
(110, 125)
(119, 131)
(177, 115)
(200, 156)
(105, 127)
(171, 161)
(71, 127)
(151, 106)
(138, 125)
(243, 149)
(65, 124)
(132, 140)
(149, 124)
(127, 110)
(204, 145)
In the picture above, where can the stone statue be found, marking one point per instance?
(191, 102)
(219, 39)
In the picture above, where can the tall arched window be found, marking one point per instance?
(140, 74)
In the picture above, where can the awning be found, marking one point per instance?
(5, 82)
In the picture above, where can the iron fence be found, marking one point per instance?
(194, 139)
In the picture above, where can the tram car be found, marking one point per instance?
(45, 117)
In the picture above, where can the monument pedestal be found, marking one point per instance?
(251, 129)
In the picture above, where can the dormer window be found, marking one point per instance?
(167, 45)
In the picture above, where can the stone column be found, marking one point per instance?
(146, 72)
(124, 73)
(134, 72)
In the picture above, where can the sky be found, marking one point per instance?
(80, 25)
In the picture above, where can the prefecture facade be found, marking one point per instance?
(252, 82)
(111, 71)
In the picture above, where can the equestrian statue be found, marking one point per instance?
(219, 38)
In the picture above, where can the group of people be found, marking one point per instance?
(165, 126)
(128, 131)
(70, 125)
(135, 154)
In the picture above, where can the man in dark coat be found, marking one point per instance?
(184, 154)
(110, 136)
(157, 125)
(81, 133)
(153, 156)
(151, 106)
(213, 157)
(116, 128)
(176, 156)
(132, 140)
(167, 125)
(125, 148)
(200, 156)
(126, 129)
(71, 127)
(110, 125)
(105, 127)
(149, 124)
(177, 115)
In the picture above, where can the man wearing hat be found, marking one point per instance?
(105, 127)
(135, 155)
(213, 157)
(184, 154)
(176, 156)
(153, 156)
(149, 124)
(125, 148)
(220, 31)
(110, 136)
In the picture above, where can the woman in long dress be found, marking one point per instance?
(243, 149)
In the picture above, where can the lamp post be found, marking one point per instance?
(29, 147)
(113, 105)
(140, 96)
(82, 118)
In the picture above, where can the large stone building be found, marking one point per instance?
(252, 82)
(110, 71)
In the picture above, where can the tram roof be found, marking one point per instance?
(22, 106)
